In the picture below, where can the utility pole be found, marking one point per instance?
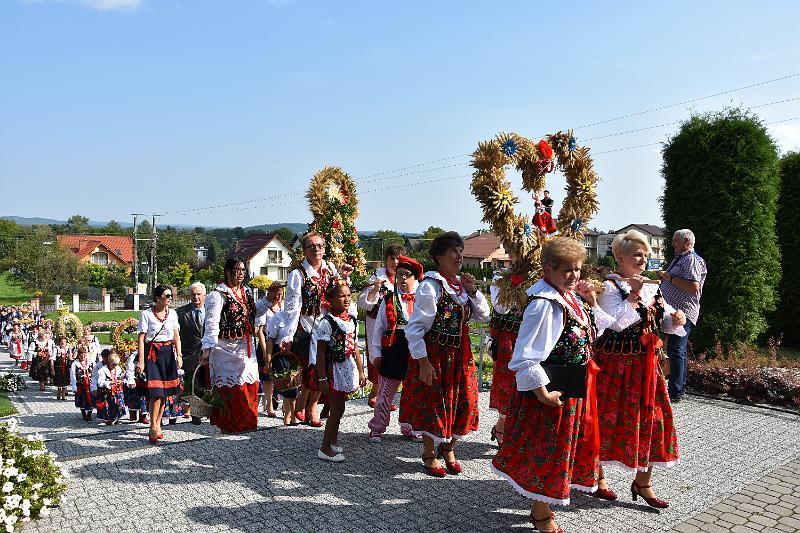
(153, 264)
(135, 254)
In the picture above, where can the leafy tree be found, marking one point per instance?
(286, 234)
(114, 228)
(174, 247)
(180, 275)
(10, 231)
(56, 271)
(376, 245)
(77, 225)
(784, 320)
(261, 283)
(211, 275)
(97, 275)
(721, 181)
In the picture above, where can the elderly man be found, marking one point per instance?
(682, 287)
(191, 319)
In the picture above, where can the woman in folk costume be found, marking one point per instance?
(160, 342)
(503, 326)
(636, 424)
(369, 299)
(551, 443)
(81, 379)
(440, 396)
(229, 349)
(44, 351)
(340, 371)
(60, 368)
(16, 343)
(111, 399)
(389, 350)
(92, 343)
(304, 310)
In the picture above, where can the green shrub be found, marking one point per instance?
(721, 181)
(784, 320)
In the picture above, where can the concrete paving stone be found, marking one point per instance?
(793, 499)
(763, 520)
(766, 498)
(745, 529)
(790, 521)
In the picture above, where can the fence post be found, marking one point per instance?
(57, 301)
(106, 302)
(135, 301)
(76, 303)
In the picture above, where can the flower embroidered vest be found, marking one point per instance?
(341, 345)
(313, 292)
(627, 341)
(233, 324)
(449, 320)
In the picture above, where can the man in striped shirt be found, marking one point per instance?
(682, 287)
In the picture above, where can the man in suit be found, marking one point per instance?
(191, 319)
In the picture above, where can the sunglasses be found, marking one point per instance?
(166, 296)
(404, 275)
(315, 247)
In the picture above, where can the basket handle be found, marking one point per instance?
(194, 376)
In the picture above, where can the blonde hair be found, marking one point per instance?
(113, 358)
(624, 243)
(562, 250)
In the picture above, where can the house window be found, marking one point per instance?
(100, 258)
(264, 271)
(284, 273)
(587, 243)
(275, 256)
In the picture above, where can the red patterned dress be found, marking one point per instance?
(504, 329)
(636, 425)
(439, 330)
(546, 451)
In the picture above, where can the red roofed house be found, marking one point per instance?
(265, 254)
(484, 249)
(102, 250)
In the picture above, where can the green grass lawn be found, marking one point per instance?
(100, 316)
(12, 292)
(6, 407)
(104, 337)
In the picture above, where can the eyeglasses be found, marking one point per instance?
(166, 296)
(315, 246)
(404, 275)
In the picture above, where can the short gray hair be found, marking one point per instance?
(685, 234)
(624, 243)
(197, 285)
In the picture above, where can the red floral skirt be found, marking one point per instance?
(543, 453)
(504, 381)
(449, 407)
(241, 413)
(636, 425)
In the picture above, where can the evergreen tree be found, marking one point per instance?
(784, 320)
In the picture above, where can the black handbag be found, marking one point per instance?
(570, 380)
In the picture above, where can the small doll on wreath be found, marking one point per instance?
(334, 351)
(81, 379)
(111, 399)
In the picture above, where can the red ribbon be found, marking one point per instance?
(154, 346)
(651, 342)
(591, 432)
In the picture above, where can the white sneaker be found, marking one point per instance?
(336, 449)
(338, 458)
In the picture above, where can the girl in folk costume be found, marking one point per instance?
(273, 304)
(504, 326)
(60, 368)
(389, 349)
(335, 354)
(98, 365)
(305, 309)
(379, 285)
(229, 348)
(440, 395)
(31, 335)
(92, 343)
(279, 362)
(81, 379)
(636, 426)
(160, 342)
(135, 390)
(551, 443)
(111, 399)
(44, 351)
(16, 344)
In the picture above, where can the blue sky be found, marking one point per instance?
(115, 106)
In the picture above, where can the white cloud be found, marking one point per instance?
(787, 136)
(100, 5)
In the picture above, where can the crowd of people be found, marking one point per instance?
(578, 381)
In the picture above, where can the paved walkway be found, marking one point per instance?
(740, 468)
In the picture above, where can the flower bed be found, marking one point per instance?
(12, 382)
(30, 479)
(103, 326)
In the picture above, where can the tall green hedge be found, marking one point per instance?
(785, 320)
(721, 181)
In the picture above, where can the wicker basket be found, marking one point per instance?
(199, 407)
(295, 378)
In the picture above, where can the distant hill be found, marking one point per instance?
(296, 227)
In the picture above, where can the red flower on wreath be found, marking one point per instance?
(344, 196)
(545, 149)
(516, 279)
(336, 224)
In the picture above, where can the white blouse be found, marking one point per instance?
(345, 373)
(427, 295)
(624, 313)
(106, 376)
(265, 311)
(364, 302)
(381, 325)
(151, 326)
(542, 325)
(294, 301)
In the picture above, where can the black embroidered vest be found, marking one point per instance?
(574, 345)
(337, 346)
(312, 293)
(627, 341)
(449, 320)
(232, 322)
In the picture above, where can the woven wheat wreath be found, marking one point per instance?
(334, 204)
(493, 191)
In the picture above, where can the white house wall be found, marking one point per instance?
(261, 260)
